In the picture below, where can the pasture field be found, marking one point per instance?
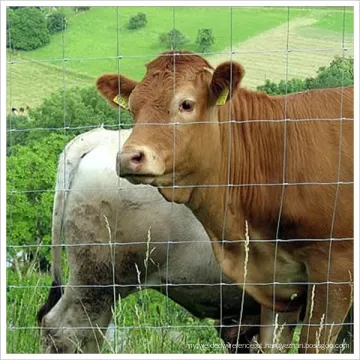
(146, 322)
(94, 39)
(29, 83)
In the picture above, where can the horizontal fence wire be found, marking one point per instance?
(233, 52)
(114, 243)
(170, 284)
(191, 186)
(16, 328)
(177, 124)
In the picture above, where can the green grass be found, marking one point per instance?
(158, 325)
(93, 34)
(22, 305)
(336, 21)
(147, 321)
(29, 83)
(135, 316)
(332, 24)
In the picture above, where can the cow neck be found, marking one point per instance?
(251, 162)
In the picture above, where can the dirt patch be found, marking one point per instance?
(265, 57)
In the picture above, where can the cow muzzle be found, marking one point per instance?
(139, 165)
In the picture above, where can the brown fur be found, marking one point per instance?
(263, 152)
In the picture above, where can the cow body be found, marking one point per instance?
(282, 164)
(93, 211)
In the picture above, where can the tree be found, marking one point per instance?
(79, 108)
(16, 127)
(56, 22)
(174, 39)
(205, 39)
(31, 172)
(340, 72)
(137, 21)
(26, 29)
(32, 156)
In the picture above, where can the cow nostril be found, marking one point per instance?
(138, 158)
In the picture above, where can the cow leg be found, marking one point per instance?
(229, 333)
(345, 339)
(276, 336)
(78, 322)
(326, 308)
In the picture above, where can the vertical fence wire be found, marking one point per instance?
(338, 180)
(284, 159)
(170, 217)
(225, 209)
(114, 248)
(9, 137)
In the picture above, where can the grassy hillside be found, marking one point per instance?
(336, 20)
(101, 32)
(96, 37)
(29, 83)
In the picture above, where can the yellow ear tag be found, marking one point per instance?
(123, 102)
(222, 97)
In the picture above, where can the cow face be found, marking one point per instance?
(176, 139)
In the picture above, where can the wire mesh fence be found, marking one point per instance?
(124, 241)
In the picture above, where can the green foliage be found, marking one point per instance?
(340, 72)
(137, 21)
(293, 85)
(81, 8)
(16, 124)
(34, 143)
(56, 22)
(174, 39)
(10, 18)
(31, 171)
(205, 39)
(26, 29)
(82, 108)
(77, 107)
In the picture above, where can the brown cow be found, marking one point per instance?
(283, 164)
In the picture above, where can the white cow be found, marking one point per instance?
(117, 235)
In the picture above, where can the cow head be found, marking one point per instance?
(176, 138)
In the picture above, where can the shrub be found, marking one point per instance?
(137, 21)
(32, 159)
(30, 180)
(56, 22)
(340, 72)
(205, 39)
(174, 39)
(26, 29)
(76, 107)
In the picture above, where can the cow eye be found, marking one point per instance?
(187, 105)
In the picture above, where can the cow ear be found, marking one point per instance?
(225, 80)
(116, 89)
